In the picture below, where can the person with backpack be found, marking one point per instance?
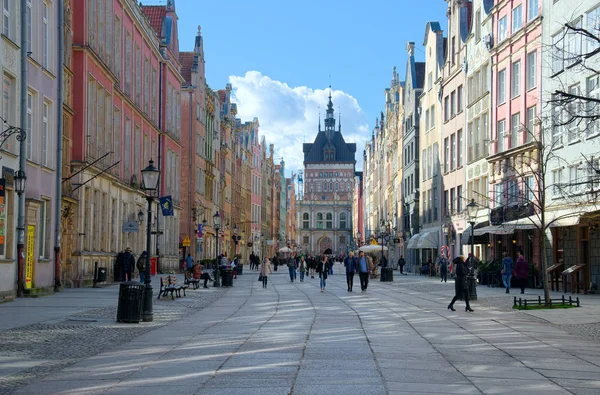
(141, 266)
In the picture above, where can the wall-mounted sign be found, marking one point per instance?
(130, 227)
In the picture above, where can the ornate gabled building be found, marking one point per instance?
(325, 214)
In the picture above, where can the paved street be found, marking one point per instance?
(398, 338)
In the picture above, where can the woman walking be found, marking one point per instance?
(507, 271)
(522, 272)
(302, 267)
(265, 270)
(460, 285)
(323, 270)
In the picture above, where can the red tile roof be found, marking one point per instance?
(222, 95)
(156, 14)
(187, 61)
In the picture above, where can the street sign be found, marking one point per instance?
(186, 242)
(130, 227)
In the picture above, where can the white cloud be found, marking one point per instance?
(289, 116)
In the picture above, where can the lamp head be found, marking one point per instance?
(217, 220)
(150, 177)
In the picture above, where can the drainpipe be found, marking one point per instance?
(190, 191)
(22, 153)
(159, 164)
(59, 150)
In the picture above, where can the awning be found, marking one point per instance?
(478, 239)
(412, 243)
(560, 218)
(428, 240)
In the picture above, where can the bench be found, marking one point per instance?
(169, 285)
(189, 279)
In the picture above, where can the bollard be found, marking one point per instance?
(95, 275)
(539, 300)
(515, 302)
(578, 301)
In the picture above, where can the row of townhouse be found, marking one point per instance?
(502, 113)
(100, 88)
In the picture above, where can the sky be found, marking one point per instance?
(281, 56)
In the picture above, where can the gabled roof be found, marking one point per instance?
(156, 14)
(420, 74)
(434, 26)
(187, 61)
(344, 152)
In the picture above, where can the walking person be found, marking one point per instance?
(189, 263)
(312, 263)
(401, 263)
(291, 264)
(351, 265)
(507, 271)
(460, 286)
(141, 266)
(265, 270)
(323, 270)
(302, 266)
(522, 270)
(331, 262)
(363, 270)
(251, 258)
(443, 265)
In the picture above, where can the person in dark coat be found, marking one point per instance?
(460, 284)
(323, 270)
(128, 265)
(401, 263)
(351, 264)
(522, 270)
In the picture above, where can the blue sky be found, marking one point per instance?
(279, 54)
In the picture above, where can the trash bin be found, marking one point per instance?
(227, 278)
(101, 275)
(240, 269)
(131, 296)
(116, 272)
(387, 274)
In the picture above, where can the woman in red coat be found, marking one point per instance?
(522, 270)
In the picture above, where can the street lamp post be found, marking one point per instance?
(150, 176)
(20, 181)
(471, 282)
(217, 226)
(358, 235)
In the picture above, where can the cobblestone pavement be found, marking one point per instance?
(56, 346)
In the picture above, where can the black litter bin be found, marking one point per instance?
(240, 269)
(131, 296)
(227, 278)
(101, 275)
(387, 274)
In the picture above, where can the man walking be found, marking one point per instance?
(351, 264)
(128, 264)
(401, 263)
(443, 265)
(363, 271)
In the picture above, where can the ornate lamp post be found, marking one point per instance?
(472, 209)
(20, 181)
(150, 176)
(217, 226)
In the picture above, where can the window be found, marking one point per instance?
(453, 151)
(305, 221)
(513, 193)
(515, 123)
(515, 87)
(530, 123)
(432, 114)
(557, 124)
(573, 52)
(429, 81)
(446, 155)
(531, 70)
(453, 50)
(573, 109)
(501, 132)
(574, 179)
(436, 159)
(45, 33)
(319, 220)
(533, 9)
(592, 108)
(459, 196)
(329, 221)
(8, 110)
(30, 137)
(501, 86)
(45, 136)
(502, 29)
(557, 53)
(424, 158)
(342, 220)
(429, 159)
(459, 99)
(446, 109)
(459, 154)
(529, 189)
(453, 104)
(452, 201)
(426, 120)
(517, 18)
(557, 182)
(6, 30)
(477, 25)
(499, 198)
(29, 28)
(592, 25)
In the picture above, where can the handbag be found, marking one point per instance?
(260, 278)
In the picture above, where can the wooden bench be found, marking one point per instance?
(169, 285)
(189, 279)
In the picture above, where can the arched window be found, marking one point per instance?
(337, 186)
(331, 186)
(305, 221)
(319, 220)
(342, 220)
(329, 221)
